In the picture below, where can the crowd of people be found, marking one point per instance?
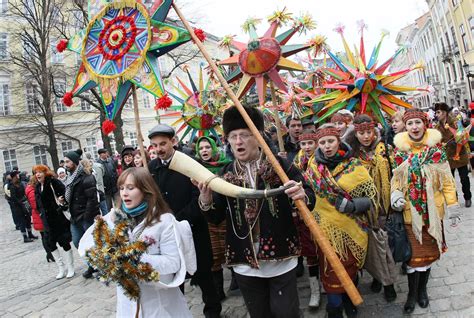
(352, 173)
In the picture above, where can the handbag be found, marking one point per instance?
(397, 237)
(26, 206)
(62, 208)
(379, 260)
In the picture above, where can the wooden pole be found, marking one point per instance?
(137, 126)
(281, 144)
(305, 214)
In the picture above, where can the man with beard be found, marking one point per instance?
(81, 196)
(182, 197)
(261, 238)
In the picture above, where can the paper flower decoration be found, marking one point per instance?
(117, 259)
(202, 106)
(260, 60)
(119, 48)
(361, 86)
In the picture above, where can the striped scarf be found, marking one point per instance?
(70, 181)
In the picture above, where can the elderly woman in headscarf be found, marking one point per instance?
(209, 155)
(422, 186)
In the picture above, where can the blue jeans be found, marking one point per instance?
(103, 207)
(78, 229)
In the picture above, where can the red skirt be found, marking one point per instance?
(331, 283)
(308, 248)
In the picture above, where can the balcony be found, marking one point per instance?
(449, 52)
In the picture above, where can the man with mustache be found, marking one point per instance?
(182, 197)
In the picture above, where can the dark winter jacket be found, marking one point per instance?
(278, 235)
(53, 218)
(17, 195)
(110, 176)
(182, 197)
(291, 149)
(84, 203)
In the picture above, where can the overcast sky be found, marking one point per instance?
(222, 17)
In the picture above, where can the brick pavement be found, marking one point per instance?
(28, 287)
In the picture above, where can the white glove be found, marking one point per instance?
(397, 200)
(454, 215)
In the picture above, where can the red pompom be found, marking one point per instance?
(200, 34)
(108, 126)
(164, 102)
(62, 45)
(67, 99)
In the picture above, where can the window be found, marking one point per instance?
(471, 23)
(454, 2)
(85, 106)
(455, 75)
(3, 46)
(32, 99)
(78, 22)
(465, 43)
(66, 146)
(40, 155)
(29, 7)
(56, 57)
(5, 99)
(9, 159)
(91, 146)
(128, 103)
(448, 44)
(461, 70)
(453, 33)
(448, 74)
(146, 99)
(3, 6)
(60, 88)
(28, 51)
(133, 139)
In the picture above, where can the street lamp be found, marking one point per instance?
(468, 73)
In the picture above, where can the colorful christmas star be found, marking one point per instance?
(119, 48)
(260, 60)
(362, 86)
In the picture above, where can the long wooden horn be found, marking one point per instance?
(305, 213)
(191, 168)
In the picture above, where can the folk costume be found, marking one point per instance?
(340, 182)
(216, 232)
(308, 248)
(423, 179)
(262, 242)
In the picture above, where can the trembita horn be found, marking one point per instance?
(191, 168)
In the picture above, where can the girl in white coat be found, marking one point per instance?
(142, 202)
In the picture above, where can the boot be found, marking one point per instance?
(218, 278)
(31, 236)
(334, 312)
(315, 292)
(59, 262)
(300, 267)
(349, 308)
(376, 286)
(423, 300)
(26, 239)
(50, 257)
(69, 259)
(88, 273)
(233, 282)
(389, 293)
(412, 290)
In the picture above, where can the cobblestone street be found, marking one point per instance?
(28, 287)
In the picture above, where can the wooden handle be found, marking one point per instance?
(306, 215)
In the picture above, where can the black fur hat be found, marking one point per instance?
(232, 119)
(442, 106)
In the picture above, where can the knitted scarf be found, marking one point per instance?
(70, 181)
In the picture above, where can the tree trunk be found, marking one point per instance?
(118, 133)
(105, 138)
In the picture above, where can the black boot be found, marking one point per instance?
(423, 300)
(26, 239)
(88, 273)
(376, 286)
(218, 278)
(31, 236)
(349, 308)
(334, 312)
(233, 282)
(300, 267)
(412, 291)
(404, 268)
(389, 293)
(50, 257)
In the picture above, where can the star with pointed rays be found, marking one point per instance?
(120, 48)
(261, 59)
(362, 86)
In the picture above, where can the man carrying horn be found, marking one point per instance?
(261, 241)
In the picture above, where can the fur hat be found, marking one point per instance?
(442, 106)
(127, 150)
(232, 119)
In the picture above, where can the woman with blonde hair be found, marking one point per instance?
(149, 219)
(48, 193)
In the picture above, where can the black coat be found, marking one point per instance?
(278, 234)
(53, 218)
(110, 176)
(291, 149)
(84, 203)
(182, 197)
